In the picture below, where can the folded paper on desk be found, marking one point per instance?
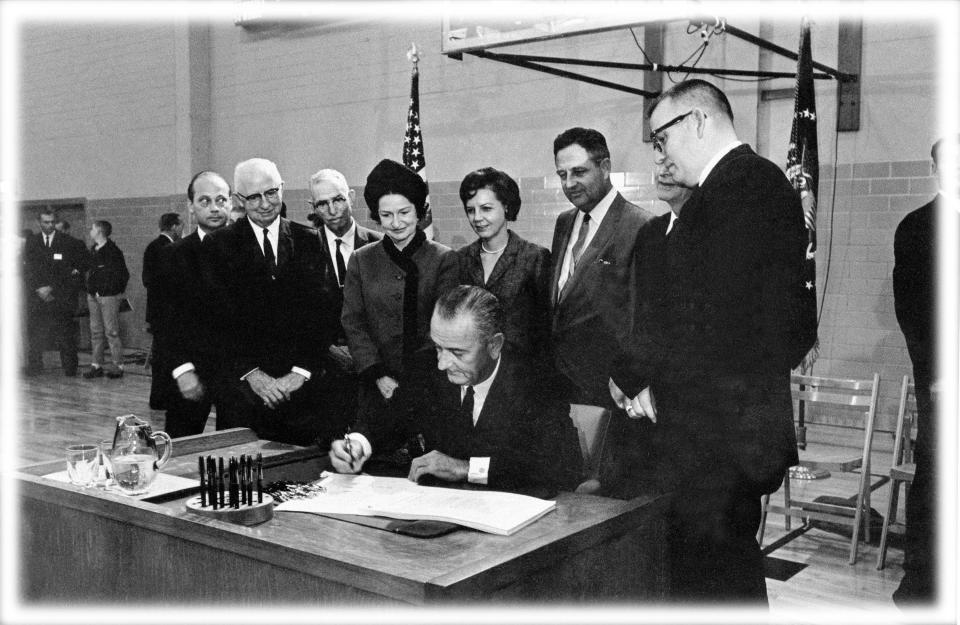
(398, 498)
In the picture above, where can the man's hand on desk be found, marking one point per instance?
(439, 465)
(191, 388)
(346, 459)
(290, 383)
(266, 388)
(643, 405)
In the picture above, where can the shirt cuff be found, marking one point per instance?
(479, 467)
(244, 376)
(187, 366)
(306, 374)
(357, 437)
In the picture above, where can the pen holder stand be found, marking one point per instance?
(244, 515)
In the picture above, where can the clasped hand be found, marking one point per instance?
(643, 405)
(274, 391)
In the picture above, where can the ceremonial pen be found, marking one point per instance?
(259, 478)
(243, 479)
(235, 482)
(212, 483)
(220, 483)
(203, 482)
(249, 480)
(348, 446)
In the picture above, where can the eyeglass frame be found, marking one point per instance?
(257, 198)
(657, 142)
(339, 200)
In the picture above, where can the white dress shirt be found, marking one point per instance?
(596, 217)
(273, 231)
(346, 248)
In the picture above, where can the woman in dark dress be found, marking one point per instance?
(392, 286)
(512, 268)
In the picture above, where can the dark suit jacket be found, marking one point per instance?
(362, 236)
(189, 317)
(61, 266)
(266, 322)
(521, 281)
(717, 347)
(372, 314)
(914, 284)
(526, 433)
(592, 320)
(151, 275)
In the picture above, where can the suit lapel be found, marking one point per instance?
(608, 227)
(564, 227)
(285, 245)
(506, 260)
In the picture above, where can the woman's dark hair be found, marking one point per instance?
(502, 185)
(390, 177)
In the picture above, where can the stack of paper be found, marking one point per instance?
(399, 498)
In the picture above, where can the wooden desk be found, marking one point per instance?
(89, 546)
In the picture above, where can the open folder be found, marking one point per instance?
(398, 498)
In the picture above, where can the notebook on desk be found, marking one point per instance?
(398, 498)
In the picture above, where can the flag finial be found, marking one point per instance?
(413, 55)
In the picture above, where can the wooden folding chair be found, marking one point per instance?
(903, 466)
(591, 423)
(821, 401)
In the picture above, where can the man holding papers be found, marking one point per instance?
(479, 415)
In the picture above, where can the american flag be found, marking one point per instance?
(803, 170)
(413, 156)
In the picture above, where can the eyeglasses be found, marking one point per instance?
(255, 199)
(337, 201)
(655, 135)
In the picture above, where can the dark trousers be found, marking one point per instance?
(920, 541)
(162, 386)
(46, 322)
(305, 419)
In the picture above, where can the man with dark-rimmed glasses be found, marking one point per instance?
(266, 273)
(710, 363)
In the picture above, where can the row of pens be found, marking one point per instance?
(230, 486)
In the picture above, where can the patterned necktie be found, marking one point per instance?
(581, 240)
(466, 406)
(268, 251)
(341, 266)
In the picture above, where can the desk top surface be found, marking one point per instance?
(373, 559)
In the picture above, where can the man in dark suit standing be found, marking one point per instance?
(170, 229)
(711, 360)
(593, 279)
(470, 412)
(266, 274)
(340, 235)
(188, 318)
(915, 303)
(54, 264)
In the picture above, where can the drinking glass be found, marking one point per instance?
(82, 464)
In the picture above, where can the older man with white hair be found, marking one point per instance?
(266, 274)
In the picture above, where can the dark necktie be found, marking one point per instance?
(268, 251)
(47, 240)
(341, 266)
(466, 407)
(581, 240)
